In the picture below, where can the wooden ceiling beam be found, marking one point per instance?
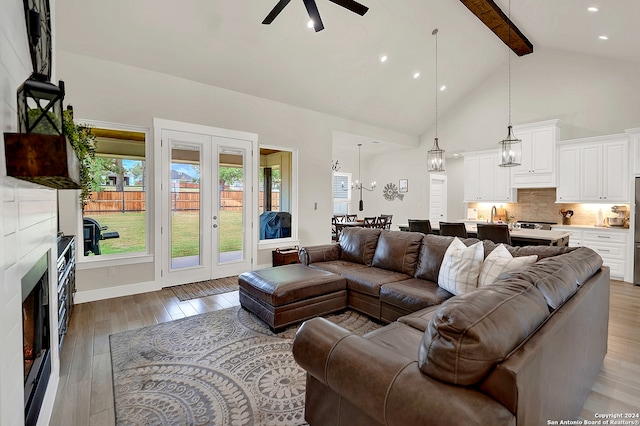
(493, 17)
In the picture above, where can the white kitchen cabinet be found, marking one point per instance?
(538, 165)
(610, 243)
(568, 189)
(484, 181)
(634, 135)
(594, 170)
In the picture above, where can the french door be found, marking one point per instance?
(207, 203)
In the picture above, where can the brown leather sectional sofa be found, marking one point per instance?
(525, 350)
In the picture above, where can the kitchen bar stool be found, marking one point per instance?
(417, 225)
(495, 233)
(454, 229)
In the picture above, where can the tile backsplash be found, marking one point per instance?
(539, 204)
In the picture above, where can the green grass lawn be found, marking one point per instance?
(185, 226)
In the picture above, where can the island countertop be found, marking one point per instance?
(520, 237)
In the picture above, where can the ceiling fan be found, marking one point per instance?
(312, 10)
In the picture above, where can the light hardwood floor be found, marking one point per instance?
(85, 392)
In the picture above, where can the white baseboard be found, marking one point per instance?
(119, 291)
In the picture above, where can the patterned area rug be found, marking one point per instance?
(205, 288)
(221, 368)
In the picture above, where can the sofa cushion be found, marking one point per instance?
(413, 294)
(469, 334)
(500, 261)
(558, 277)
(398, 251)
(432, 253)
(359, 244)
(337, 266)
(517, 251)
(460, 267)
(369, 280)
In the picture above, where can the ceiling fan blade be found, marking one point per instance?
(275, 11)
(352, 5)
(312, 10)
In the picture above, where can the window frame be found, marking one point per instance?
(279, 242)
(108, 260)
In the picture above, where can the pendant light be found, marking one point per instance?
(358, 186)
(510, 147)
(435, 156)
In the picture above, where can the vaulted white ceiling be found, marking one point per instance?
(337, 71)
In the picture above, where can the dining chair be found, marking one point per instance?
(388, 223)
(420, 225)
(381, 222)
(340, 218)
(352, 217)
(454, 229)
(369, 222)
(497, 233)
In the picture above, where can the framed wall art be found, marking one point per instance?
(403, 186)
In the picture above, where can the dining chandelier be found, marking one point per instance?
(358, 186)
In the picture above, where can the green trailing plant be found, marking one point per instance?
(83, 143)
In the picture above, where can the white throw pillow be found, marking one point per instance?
(460, 267)
(499, 261)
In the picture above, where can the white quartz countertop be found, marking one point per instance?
(538, 234)
(591, 227)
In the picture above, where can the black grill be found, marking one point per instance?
(93, 235)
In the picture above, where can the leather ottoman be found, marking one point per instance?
(284, 295)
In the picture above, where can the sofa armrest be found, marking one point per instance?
(386, 385)
(319, 253)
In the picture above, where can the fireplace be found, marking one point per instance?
(36, 337)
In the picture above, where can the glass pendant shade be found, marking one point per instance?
(435, 158)
(510, 150)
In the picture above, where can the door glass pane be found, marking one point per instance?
(231, 197)
(185, 206)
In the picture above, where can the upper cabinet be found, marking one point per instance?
(484, 180)
(594, 170)
(537, 169)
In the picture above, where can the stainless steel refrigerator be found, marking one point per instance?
(636, 236)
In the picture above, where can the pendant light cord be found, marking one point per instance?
(435, 32)
(509, 60)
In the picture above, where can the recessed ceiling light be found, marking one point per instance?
(416, 74)
(443, 87)
(603, 37)
(310, 23)
(383, 58)
(592, 9)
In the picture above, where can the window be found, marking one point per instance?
(115, 219)
(276, 194)
(341, 192)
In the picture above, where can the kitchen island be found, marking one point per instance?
(521, 237)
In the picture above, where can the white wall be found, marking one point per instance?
(111, 92)
(591, 96)
(27, 229)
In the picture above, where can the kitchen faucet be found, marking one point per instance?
(494, 212)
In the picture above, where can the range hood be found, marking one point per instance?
(47, 160)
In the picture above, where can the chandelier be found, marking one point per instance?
(358, 186)
(510, 147)
(435, 156)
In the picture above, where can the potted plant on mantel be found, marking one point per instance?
(83, 142)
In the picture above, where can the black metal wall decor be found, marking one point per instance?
(38, 19)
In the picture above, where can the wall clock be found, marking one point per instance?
(38, 18)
